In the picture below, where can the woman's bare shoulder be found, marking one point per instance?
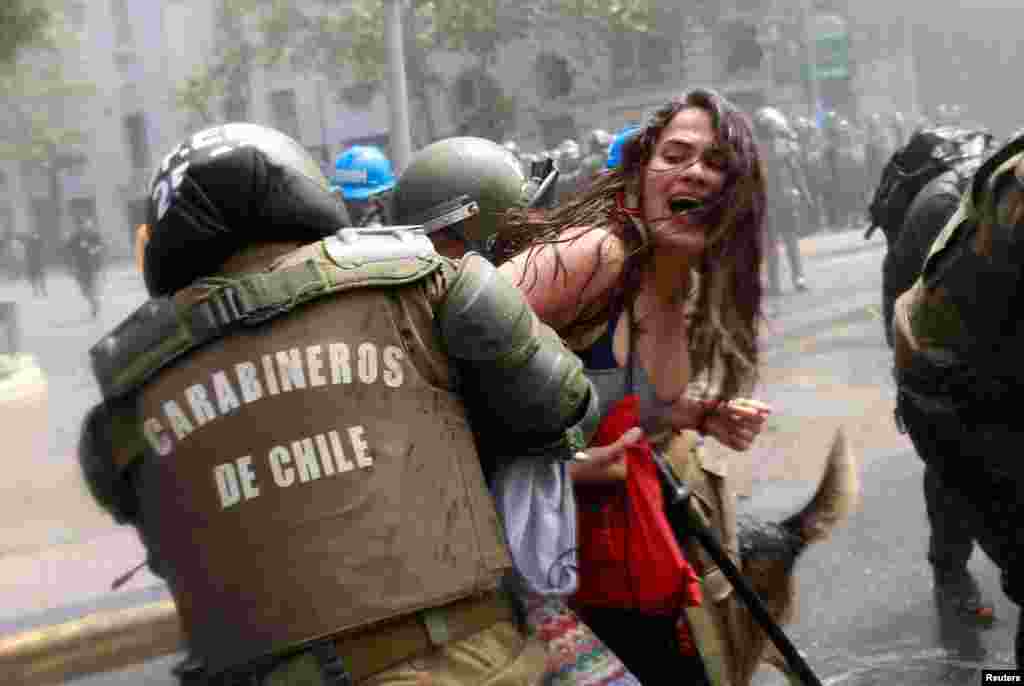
(565, 275)
(577, 249)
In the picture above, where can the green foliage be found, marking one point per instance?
(23, 23)
(35, 100)
(349, 47)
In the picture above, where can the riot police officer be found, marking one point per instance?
(787, 195)
(593, 163)
(301, 399)
(364, 177)
(957, 343)
(953, 526)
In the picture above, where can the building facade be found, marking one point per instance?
(562, 80)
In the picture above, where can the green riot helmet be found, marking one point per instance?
(463, 183)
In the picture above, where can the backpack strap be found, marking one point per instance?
(164, 329)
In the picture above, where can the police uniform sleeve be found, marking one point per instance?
(524, 390)
(926, 216)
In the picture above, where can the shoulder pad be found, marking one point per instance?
(356, 247)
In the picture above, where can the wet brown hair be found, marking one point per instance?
(727, 290)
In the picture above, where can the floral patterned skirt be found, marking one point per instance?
(576, 656)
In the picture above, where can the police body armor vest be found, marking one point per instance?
(314, 475)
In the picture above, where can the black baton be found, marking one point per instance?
(679, 500)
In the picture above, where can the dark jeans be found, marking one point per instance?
(982, 462)
(647, 644)
(952, 522)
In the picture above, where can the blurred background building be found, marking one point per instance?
(552, 80)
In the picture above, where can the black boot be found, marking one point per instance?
(957, 593)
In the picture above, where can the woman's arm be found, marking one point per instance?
(562, 279)
(735, 424)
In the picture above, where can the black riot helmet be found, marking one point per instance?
(224, 188)
(465, 184)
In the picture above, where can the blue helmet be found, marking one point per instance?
(362, 171)
(615, 150)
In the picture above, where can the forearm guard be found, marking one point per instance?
(525, 391)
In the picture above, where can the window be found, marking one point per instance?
(554, 77)
(642, 58)
(74, 11)
(467, 93)
(742, 49)
(285, 112)
(137, 140)
(122, 21)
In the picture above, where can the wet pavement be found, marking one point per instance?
(867, 614)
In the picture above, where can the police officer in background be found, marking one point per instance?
(302, 401)
(84, 251)
(788, 197)
(593, 163)
(364, 177)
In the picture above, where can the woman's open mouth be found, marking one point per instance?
(682, 204)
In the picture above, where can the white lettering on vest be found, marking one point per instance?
(341, 369)
(367, 365)
(157, 438)
(315, 366)
(279, 457)
(289, 362)
(310, 459)
(246, 477)
(359, 446)
(305, 460)
(227, 485)
(268, 373)
(324, 451)
(276, 373)
(248, 381)
(179, 422)
(199, 401)
(344, 464)
(393, 372)
(227, 399)
(235, 480)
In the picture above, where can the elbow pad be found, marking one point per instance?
(524, 390)
(110, 485)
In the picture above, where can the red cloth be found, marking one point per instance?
(628, 555)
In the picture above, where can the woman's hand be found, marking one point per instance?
(735, 424)
(605, 463)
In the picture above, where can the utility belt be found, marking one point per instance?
(354, 656)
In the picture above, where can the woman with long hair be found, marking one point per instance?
(653, 278)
